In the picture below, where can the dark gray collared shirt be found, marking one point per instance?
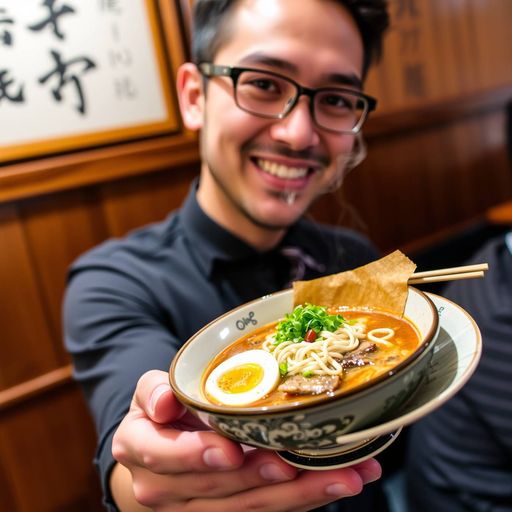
(131, 303)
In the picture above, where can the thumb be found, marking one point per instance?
(155, 398)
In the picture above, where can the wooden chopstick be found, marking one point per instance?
(452, 270)
(449, 274)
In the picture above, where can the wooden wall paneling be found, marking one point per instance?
(48, 449)
(7, 498)
(338, 209)
(186, 14)
(390, 188)
(31, 389)
(403, 77)
(26, 336)
(492, 40)
(175, 16)
(440, 49)
(495, 132)
(439, 113)
(30, 178)
(58, 228)
(129, 204)
(65, 172)
(419, 182)
(473, 185)
(421, 54)
(441, 182)
(449, 36)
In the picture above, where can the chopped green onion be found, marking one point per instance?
(296, 324)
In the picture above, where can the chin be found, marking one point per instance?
(276, 218)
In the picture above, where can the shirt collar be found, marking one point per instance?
(209, 241)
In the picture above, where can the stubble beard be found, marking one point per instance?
(237, 203)
(289, 197)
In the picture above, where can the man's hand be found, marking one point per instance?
(167, 463)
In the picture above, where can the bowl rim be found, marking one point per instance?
(355, 393)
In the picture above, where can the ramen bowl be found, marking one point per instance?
(311, 428)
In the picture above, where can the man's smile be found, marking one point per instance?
(282, 171)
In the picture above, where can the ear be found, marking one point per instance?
(190, 95)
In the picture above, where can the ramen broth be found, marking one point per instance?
(386, 356)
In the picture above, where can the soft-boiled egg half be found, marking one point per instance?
(243, 378)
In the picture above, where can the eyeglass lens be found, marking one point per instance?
(269, 95)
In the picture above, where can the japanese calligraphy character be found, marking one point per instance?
(124, 88)
(5, 35)
(65, 77)
(115, 32)
(53, 16)
(407, 7)
(120, 58)
(5, 83)
(110, 5)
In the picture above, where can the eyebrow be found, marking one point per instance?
(259, 58)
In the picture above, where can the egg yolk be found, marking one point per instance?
(241, 379)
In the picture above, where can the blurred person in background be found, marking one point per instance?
(459, 458)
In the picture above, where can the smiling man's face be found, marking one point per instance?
(258, 175)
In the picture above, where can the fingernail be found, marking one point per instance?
(273, 473)
(369, 475)
(157, 393)
(216, 458)
(338, 490)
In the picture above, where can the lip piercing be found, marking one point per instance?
(290, 197)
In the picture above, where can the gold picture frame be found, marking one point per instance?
(144, 50)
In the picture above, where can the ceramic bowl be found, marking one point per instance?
(312, 427)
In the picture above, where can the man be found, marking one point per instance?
(275, 90)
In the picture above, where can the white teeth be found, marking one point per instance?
(282, 171)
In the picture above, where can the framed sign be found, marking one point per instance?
(81, 73)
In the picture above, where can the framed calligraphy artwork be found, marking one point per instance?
(77, 74)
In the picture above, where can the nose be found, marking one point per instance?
(297, 129)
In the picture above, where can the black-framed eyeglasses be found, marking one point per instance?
(272, 95)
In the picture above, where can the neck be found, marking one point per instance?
(218, 206)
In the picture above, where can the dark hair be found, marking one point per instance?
(211, 27)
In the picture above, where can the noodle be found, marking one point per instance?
(323, 352)
(323, 356)
(385, 332)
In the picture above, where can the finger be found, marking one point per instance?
(145, 437)
(165, 449)
(369, 470)
(261, 468)
(309, 490)
(154, 397)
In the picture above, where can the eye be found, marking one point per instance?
(335, 100)
(265, 84)
(262, 85)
